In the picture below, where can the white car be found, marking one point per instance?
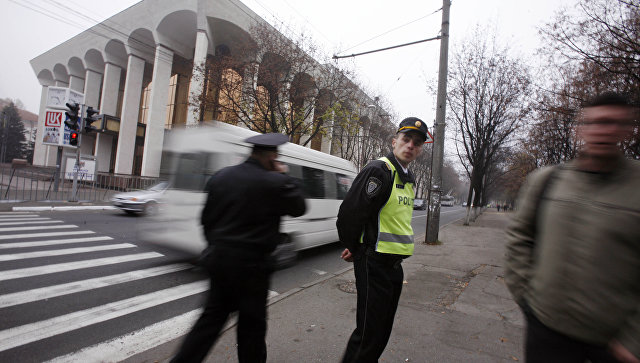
(141, 201)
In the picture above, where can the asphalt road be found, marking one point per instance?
(75, 279)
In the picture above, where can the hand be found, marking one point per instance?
(621, 353)
(346, 255)
(280, 167)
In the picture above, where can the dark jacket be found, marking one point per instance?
(361, 206)
(244, 207)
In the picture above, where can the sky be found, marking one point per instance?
(401, 76)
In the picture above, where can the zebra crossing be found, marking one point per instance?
(68, 294)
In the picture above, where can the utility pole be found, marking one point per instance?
(5, 137)
(435, 192)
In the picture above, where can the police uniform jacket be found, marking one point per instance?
(244, 206)
(359, 211)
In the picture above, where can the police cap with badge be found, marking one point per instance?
(268, 142)
(414, 124)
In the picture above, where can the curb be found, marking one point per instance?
(61, 208)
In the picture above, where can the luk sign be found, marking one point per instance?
(55, 133)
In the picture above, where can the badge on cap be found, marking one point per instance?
(373, 186)
(418, 123)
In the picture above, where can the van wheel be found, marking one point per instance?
(285, 254)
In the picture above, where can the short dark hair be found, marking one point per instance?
(609, 99)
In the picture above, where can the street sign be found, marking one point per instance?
(55, 132)
(429, 138)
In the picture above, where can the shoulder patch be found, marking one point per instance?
(373, 186)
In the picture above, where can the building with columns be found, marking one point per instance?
(142, 67)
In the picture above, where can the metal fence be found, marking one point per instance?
(32, 183)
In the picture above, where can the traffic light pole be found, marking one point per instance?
(76, 168)
(433, 214)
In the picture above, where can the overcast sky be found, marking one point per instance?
(340, 26)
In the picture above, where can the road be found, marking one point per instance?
(79, 284)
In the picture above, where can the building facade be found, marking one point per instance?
(143, 69)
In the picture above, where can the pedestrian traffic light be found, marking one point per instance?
(73, 138)
(72, 116)
(91, 118)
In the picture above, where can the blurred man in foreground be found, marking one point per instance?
(573, 256)
(241, 221)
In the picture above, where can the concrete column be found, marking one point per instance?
(40, 151)
(92, 83)
(308, 120)
(108, 106)
(76, 83)
(130, 111)
(327, 140)
(197, 76)
(157, 115)
(249, 86)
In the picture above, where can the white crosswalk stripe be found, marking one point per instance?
(26, 239)
(24, 223)
(53, 242)
(49, 292)
(28, 333)
(32, 228)
(45, 234)
(66, 251)
(18, 215)
(60, 267)
(12, 220)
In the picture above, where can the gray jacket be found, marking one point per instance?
(578, 270)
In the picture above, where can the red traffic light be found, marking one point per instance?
(73, 139)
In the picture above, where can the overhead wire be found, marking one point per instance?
(391, 30)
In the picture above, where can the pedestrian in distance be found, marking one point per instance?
(241, 220)
(573, 252)
(374, 224)
(498, 206)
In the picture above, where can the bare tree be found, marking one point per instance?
(488, 100)
(596, 50)
(270, 83)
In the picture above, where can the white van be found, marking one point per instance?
(193, 155)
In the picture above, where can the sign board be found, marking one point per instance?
(87, 170)
(55, 132)
(429, 138)
(57, 97)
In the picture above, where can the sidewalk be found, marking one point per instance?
(454, 308)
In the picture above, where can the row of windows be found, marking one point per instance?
(193, 170)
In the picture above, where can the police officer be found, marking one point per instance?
(374, 223)
(241, 220)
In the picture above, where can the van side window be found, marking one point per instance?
(343, 184)
(312, 182)
(189, 171)
(330, 186)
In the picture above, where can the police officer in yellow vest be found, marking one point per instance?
(374, 223)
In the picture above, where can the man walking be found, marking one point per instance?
(241, 221)
(573, 253)
(374, 223)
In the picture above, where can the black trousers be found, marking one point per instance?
(544, 345)
(235, 286)
(379, 284)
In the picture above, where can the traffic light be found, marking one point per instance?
(73, 138)
(91, 118)
(72, 116)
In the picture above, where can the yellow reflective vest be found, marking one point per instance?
(395, 235)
